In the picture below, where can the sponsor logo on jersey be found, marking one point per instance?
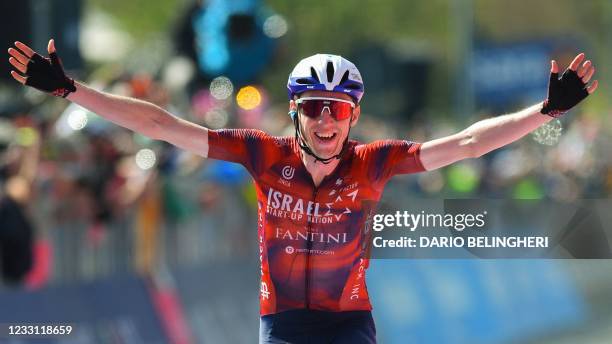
(264, 291)
(282, 205)
(357, 285)
(292, 250)
(288, 172)
(328, 238)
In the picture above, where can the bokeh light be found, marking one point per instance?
(216, 118)
(528, 189)
(431, 182)
(145, 159)
(221, 88)
(25, 136)
(7, 131)
(275, 26)
(549, 133)
(248, 98)
(178, 72)
(463, 178)
(77, 119)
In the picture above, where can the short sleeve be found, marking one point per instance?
(387, 158)
(252, 148)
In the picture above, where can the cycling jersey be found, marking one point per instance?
(314, 240)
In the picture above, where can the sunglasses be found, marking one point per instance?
(313, 107)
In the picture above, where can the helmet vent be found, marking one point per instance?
(313, 73)
(344, 78)
(330, 71)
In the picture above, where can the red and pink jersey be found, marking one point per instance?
(314, 240)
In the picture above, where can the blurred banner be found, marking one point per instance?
(117, 310)
(506, 74)
(471, 301)
(414, 302)
(221, 302)
(397, 78)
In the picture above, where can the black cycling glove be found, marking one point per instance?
(564, 93)
(47, 74)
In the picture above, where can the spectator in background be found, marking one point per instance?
(18, 172)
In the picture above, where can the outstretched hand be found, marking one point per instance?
(566, 92)
(43, 73)
(585, 71)
(20, 58)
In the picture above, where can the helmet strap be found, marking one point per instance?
(299, 137)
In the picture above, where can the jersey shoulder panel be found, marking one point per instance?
(383, 159)
(253, 148)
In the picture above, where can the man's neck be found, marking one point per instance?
(317, 169)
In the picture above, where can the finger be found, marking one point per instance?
(17, 65)
(26, 50)
(19, 56)
(18, 77)
(554, 68)
(577, 60)
(584, 68)
(51, 46)
(593, 87)
(587, 77)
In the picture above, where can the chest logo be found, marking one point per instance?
(288, 172)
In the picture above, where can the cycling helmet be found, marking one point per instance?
(327, 73)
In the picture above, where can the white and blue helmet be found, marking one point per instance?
(326, 73)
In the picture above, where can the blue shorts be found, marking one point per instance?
(304, 326)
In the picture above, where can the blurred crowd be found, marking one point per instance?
(99, 199)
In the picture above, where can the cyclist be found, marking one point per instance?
(316, 190)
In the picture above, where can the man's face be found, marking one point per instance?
(325, 135)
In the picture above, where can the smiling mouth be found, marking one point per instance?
(325, 137)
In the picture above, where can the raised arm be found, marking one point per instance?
(144, 118)
(489, 134)
(46, 74)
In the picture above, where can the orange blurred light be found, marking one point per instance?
(248, 98)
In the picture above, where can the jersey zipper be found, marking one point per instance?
(309, 228)
(308, 248)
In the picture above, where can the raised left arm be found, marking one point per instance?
(481, 137)
(489, 134)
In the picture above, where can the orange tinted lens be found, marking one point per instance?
(338, 110)
(341, 110)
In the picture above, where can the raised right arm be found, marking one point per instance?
(144, 118)
(137, 115)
